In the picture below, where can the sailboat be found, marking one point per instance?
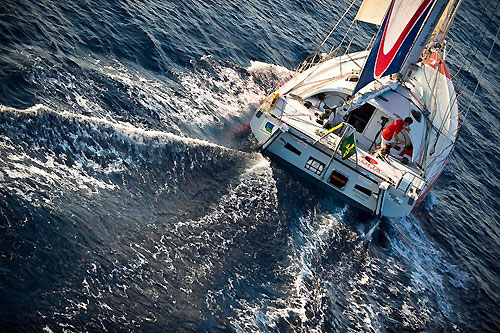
(326, 122)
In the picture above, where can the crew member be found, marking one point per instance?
(390, 133)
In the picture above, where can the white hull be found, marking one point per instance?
(383, 185)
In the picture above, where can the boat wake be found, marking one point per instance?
(157, 200)
(332, 280)
(209, 94)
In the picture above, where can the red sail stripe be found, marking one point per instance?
(383, 61)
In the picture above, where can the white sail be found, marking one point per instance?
(432, 83)
(401, 38)
(424, 35)
(373, 11)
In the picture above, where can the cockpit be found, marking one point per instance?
(370, 119)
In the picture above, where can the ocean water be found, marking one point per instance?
(132, 197)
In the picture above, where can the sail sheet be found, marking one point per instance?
(398, 33)
(373, 11)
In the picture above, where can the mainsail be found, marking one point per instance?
(401, 38)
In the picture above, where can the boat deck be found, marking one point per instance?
(388, 168)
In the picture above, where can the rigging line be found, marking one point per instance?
(482, 72)
(409, 98)
(430, 120)
(418, 99)
(317, 82)
(450, 43)
(452, 101)
(330, 32)
(434, 95)
(439, 157)
(352, 39)
(304, 64)
(449, 108)
(452, 145)
(428, 86)
(474, 93)
(432, 175)
(477, 45)
(306, 122)
(343, 39)
(370, 42)
(301, 115)
(354, 61)
(432, 91)
(447, 114)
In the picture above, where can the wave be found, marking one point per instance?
(196, 101)
(62, 151)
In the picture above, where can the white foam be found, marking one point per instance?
(128, 129)
(52, 173)
(204, 99)
(429, 267)
(258, 66)
(45, 174)
(314, 238)
(227, 95)
(47, 329)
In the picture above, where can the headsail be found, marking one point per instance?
(373, 11)
(406, 24)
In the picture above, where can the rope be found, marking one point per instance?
(343, 39)
(327, 37)
(482, 72)
(477, 45)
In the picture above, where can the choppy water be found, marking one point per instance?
(132, 198)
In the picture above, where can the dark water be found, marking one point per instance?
(131, 198)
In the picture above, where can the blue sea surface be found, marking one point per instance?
(132, 197)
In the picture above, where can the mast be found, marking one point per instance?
(439, 31)
(443, 31)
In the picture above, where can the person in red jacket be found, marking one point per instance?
(390, 133)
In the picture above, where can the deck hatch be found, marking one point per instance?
(337, 179)
(360, 117)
